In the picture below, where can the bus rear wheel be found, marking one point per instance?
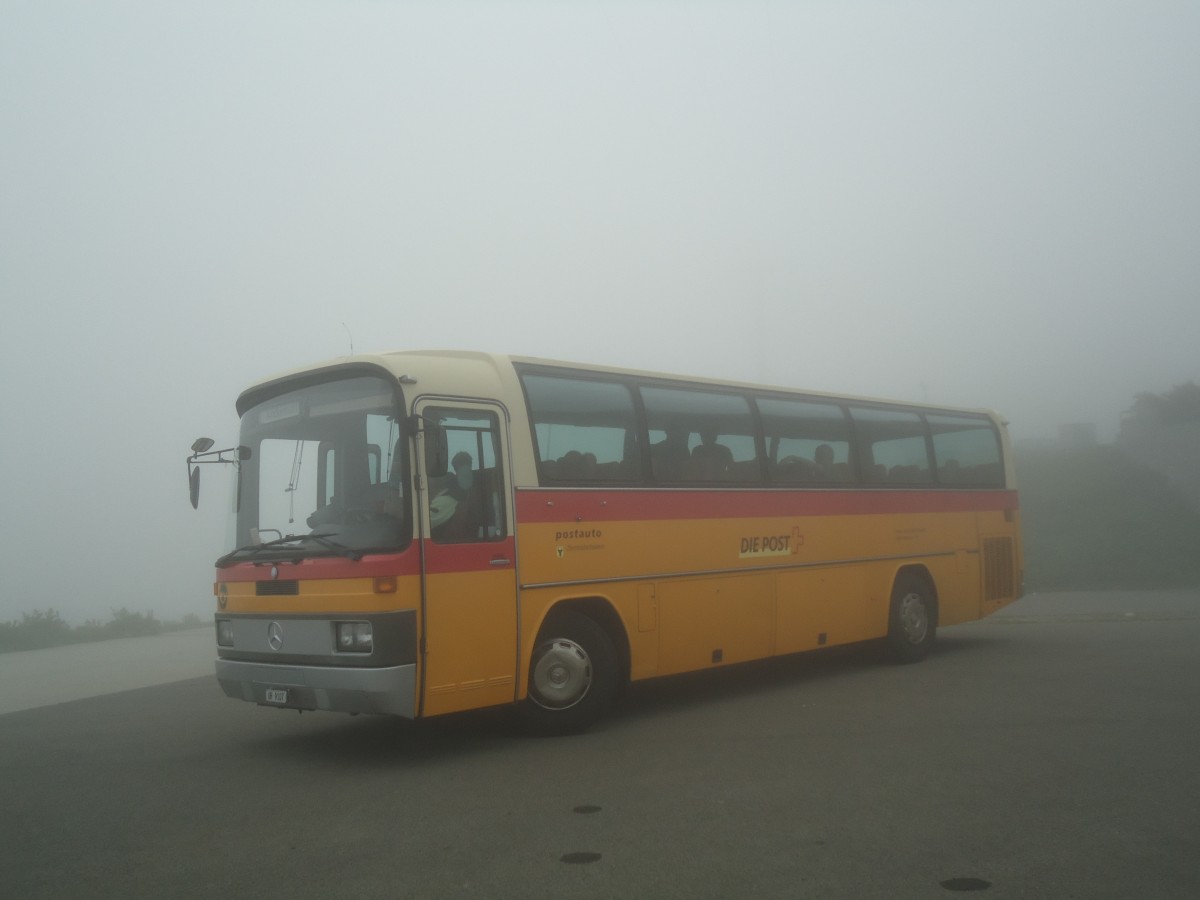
(572, 676)
(912, 619)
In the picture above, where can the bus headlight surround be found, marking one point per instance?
(353, 637)
(224, 632)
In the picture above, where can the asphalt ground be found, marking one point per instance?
(1049, 751)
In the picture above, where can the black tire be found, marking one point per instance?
(573, 675)
(912, 619)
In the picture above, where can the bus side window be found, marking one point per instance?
(700, 436)
(894, 444)
(467, 505)
(809, 441)
(967, 450)
(585, 430)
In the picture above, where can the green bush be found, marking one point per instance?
(34, 631)
(132, 624)
(1094, 519)
(46, 628)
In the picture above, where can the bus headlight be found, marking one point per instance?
(224, 633)
(354, 637)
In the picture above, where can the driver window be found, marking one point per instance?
(467, 504)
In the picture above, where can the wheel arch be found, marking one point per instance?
(601, 611)
(921, 571)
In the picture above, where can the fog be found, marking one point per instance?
(967, 203)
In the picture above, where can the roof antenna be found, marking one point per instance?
(349, 335)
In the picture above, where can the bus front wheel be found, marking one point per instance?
(912, 619)
(572, 676)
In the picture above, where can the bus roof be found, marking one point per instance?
(473, 373)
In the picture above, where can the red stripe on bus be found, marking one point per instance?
(640, 505)
(549, 506)
(407, 562)
(487, 556)
(479, 557)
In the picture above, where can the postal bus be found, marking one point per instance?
(419, 533)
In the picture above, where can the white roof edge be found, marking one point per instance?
(393, 361)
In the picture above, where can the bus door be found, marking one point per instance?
(470, 602)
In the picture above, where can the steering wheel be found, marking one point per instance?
(363, 515)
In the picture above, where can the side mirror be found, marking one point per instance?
(202, 447)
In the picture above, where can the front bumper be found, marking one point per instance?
(389, 691)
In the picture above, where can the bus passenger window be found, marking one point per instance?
(585, 430)
(894, 446)
(809, 443)
(967, 450)
(700, 436)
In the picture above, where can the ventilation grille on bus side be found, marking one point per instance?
(276, 588)
(999, 581)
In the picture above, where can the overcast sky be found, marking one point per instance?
(982, 204)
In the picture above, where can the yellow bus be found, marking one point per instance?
(419, 533)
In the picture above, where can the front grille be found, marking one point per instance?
(276, 588)
(999, 578)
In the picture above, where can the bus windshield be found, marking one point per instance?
(325, 474)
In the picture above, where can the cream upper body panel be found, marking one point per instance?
(474, 375)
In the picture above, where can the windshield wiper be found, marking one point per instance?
(339, 548)
(255, 549)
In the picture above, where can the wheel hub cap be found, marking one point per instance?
(562, 674)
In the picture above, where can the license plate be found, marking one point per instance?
(276, 695)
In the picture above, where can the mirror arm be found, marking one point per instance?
(241, 453)
(199, 458)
